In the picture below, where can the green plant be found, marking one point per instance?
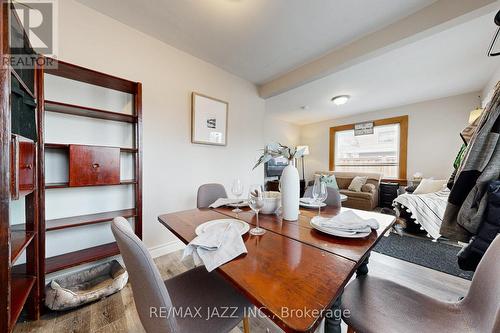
(278, 150)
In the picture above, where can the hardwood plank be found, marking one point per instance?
(20, 239)
(77, 221)
(76, 258)
(21, 286)
(106, 312)
(85, 111)
(75, 322)
(302, 231)
(277, 273)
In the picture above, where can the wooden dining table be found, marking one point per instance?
(293, 273)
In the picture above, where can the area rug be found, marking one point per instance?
(438, 256)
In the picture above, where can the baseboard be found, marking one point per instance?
(161, 250)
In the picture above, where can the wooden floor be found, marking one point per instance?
(117, 314)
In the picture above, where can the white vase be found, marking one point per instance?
(290, 192)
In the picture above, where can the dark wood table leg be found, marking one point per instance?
(333, 321)
(363, 268)
(334, 318)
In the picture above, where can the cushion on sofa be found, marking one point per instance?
(369, 188)
(357, 183)
(354, 194)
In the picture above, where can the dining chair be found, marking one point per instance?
(377, 305)
(171, 306)
(208, 193)
(333, 198)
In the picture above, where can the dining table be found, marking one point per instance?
(293, 274)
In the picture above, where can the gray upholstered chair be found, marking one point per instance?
(378, 305)
(333, 198)
(155, 299)
(208, 193)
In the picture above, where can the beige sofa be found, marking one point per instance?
(367, 199)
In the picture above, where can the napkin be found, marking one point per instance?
(348, 221)
(308, 200)
(225, 201)
(216, 247)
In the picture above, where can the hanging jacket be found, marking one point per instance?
(469, 256)
(467, 200)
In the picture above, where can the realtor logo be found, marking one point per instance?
(32, 31)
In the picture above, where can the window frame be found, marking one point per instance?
(403, 142)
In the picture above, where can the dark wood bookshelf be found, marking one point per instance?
(21, 286)
(72, 259)
(85, 111)
(66, 146)
(77, 221)
(18, 180)
(19, 239)
(66, 184)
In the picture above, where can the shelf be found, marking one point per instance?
(84, 256)
(19, 239)
(20, 286)
(66, 185)
(77, 221)
(66, 146)
(84, 111)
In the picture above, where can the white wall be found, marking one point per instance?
(173, 167)
(433, 134)
(487, 92)
(276, 130)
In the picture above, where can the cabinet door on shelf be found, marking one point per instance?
(22, 167)
(93, 165)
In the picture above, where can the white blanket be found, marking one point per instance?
(427, 209)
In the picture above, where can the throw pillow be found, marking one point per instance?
(330, 181)
(429, 186)
(357, 183)
(370, 188)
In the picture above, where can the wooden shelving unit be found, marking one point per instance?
(78, 110)
(71, 259)
(19, 288)
(79, 222)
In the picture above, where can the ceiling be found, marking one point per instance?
(257, 40)
(448, 63)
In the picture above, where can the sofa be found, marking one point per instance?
(367, 199)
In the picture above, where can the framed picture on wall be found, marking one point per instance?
(208, 120)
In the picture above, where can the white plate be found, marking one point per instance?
(222, 224)
(338, 233)
(311, 205)
(243, 204)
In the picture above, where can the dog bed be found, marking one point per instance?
(85, 286)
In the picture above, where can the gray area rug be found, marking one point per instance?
(438, 256)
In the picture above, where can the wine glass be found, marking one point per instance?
(256, 202)
(237, 190)
(319, 193)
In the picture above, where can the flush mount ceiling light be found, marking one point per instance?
(340, 100)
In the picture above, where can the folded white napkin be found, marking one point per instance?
(308, 200)
(225, 201)
(216, 247)
(348, 221)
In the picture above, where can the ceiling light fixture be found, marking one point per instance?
(340, 100)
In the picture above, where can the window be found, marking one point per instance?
(383, 152)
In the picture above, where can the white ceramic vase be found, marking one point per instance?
(290, 192)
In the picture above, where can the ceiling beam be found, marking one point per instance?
(432, 19)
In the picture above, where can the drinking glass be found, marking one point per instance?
(319, 193)
(256, 202)
(237, 190)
